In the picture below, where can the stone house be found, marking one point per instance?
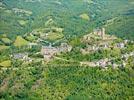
(22, 56)
(103, 63)
(104, 45)
(49, 52)
(100, 32)
(120, 45)
(64, 47)
(115, 65)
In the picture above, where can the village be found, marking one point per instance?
(104, 63)
(66, 49)
(97, 40)
(45, 39)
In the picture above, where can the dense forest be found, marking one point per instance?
(66, 14)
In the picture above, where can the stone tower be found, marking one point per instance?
(103, 33)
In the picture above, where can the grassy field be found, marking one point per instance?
(85, 16)
(6, 40)
(6, 63)
(20, 42)
(54, 36)
(3, 47)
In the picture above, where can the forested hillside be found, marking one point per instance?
(66, 14)
(66, 50)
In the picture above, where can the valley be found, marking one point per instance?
(66, 49)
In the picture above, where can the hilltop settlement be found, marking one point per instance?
(94, 42)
